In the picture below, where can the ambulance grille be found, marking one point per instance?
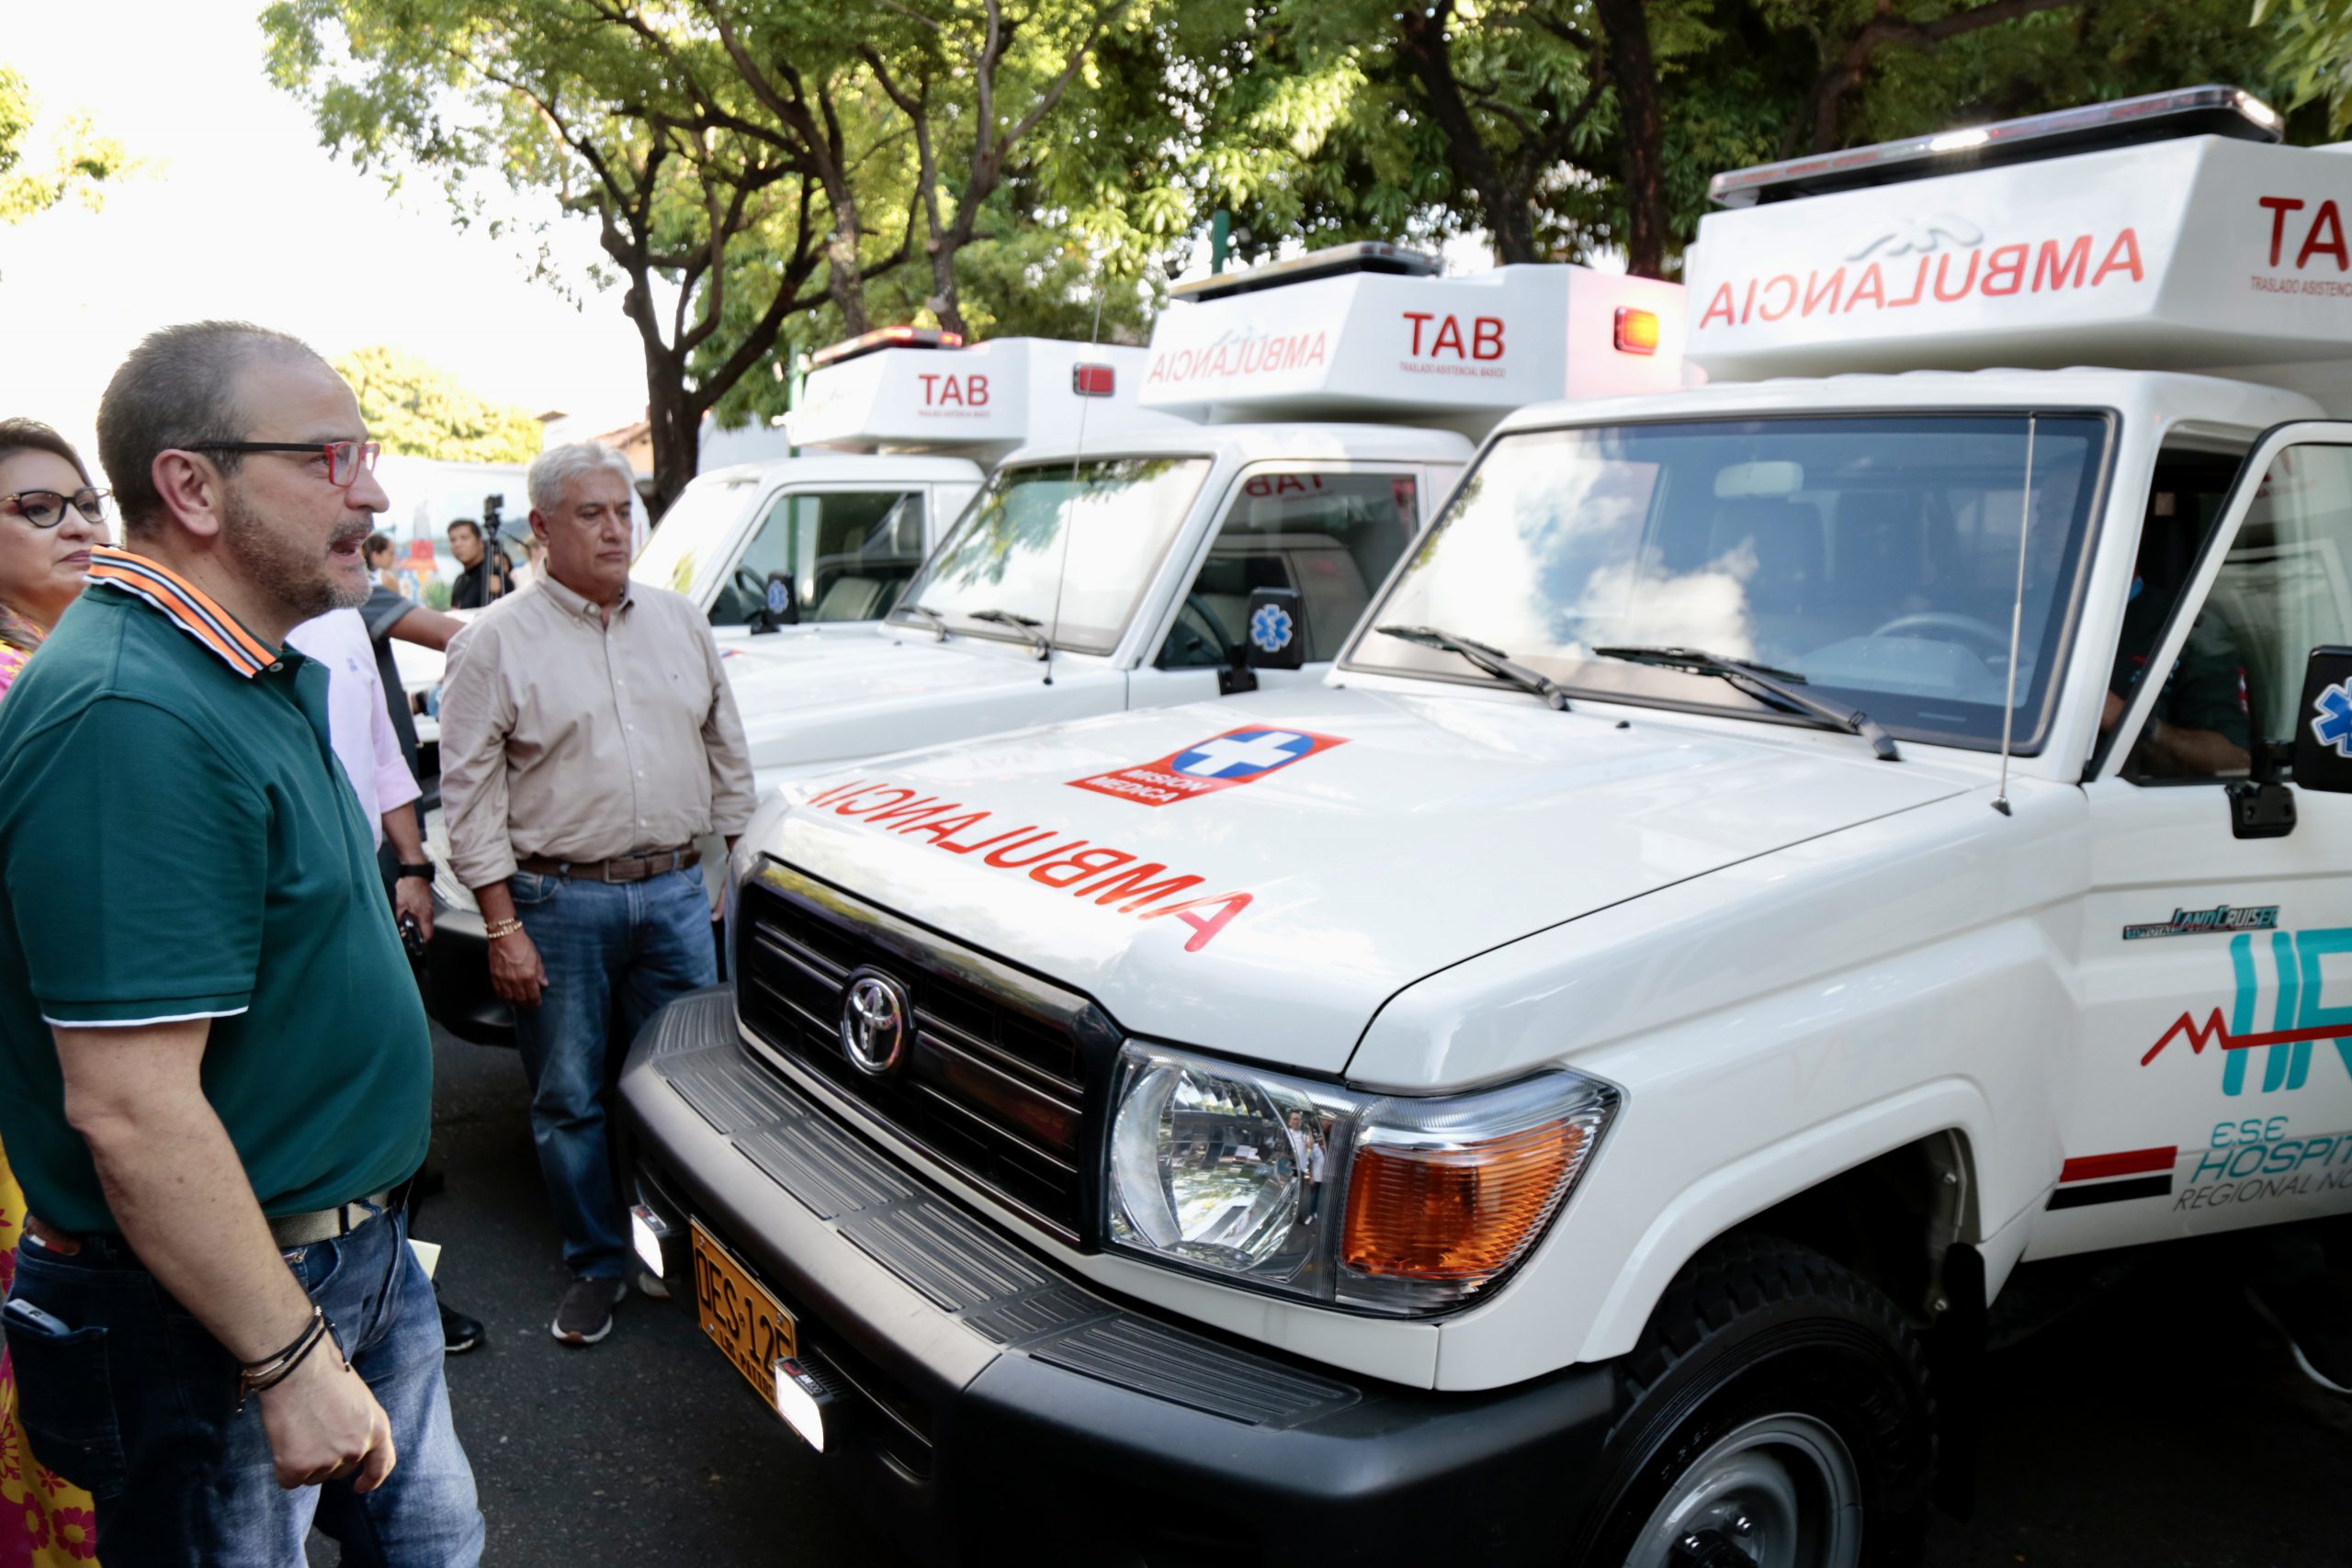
(1003, 1070)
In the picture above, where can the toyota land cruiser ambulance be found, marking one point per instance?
(1570, 1086)
(1311, 415)
(828, 535)
(898, 427)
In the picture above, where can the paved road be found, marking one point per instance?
(2158, 1425)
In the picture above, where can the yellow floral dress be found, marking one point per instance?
(44, 1522)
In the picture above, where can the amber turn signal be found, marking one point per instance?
(1460, 1213)
(1638, 331)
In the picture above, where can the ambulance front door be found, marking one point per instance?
(2213, 1082)
(847, 551)
(1326, 534)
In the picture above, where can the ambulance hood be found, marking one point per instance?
(858, 692)
(1403, 835)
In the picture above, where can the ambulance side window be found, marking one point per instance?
(1333, 536)
(2284, 588)
(849, 553)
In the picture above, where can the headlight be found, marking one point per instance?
(1386, 1204)
(1214, 1165)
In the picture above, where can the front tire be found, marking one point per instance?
(1776, 1413)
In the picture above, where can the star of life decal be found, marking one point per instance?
(2332, 718)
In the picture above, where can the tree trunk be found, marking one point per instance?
(677, 434)
(1633, 71)
(1504, 211)
(669, 407)
(844, 274)
(946, 302)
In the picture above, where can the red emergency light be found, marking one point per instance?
(1093, 380)
(1638, 331)
(882, 338)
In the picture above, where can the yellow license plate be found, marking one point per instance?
(740, 1316)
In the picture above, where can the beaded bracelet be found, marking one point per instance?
(508, 926)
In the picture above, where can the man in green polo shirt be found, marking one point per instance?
(214, 1069)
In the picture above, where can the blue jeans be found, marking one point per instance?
(615, 953)
(123, 1393)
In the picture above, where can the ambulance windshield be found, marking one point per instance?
(695, 528)
(1089, 534)
(1876, 558)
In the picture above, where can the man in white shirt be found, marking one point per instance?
(361, 729)
(359, 725)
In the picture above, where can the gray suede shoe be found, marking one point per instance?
(587, 1312)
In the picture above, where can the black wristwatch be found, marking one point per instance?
(424, 871)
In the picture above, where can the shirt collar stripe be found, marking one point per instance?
(185, 605)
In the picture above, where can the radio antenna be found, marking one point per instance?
(1076, 457)
(2017, 622)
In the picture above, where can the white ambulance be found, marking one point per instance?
(898, 427)
(1313, 415)
(1573, 1085)
(1291, 429)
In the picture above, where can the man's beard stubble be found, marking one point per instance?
(287, 571)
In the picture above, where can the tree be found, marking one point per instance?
(419, 410)
(620, 120)
(78, 162)
(738, 157)
(1017, 67)
(1566, 129)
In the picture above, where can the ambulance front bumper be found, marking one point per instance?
(990, 1406)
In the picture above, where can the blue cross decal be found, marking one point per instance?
(2333, 725)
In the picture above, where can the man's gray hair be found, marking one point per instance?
(553, 470)
(181, 388)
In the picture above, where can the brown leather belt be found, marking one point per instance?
(286, 1230)
(632, 868)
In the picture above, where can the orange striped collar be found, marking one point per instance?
(185, 605)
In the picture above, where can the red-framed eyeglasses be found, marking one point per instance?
(345, 459)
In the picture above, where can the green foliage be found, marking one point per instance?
(2312, 56)
(78, 162)
(769, 175)
(418, 410)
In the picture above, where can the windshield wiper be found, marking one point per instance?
(937, 622)
(1025, 625)
(1766, 684)
(1493, 661)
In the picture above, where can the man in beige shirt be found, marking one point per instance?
(588, 738)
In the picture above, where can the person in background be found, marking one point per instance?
(50, 518)
(467, 592)
(378, 552)
(588, 738)
(215, 1074)
(390, 617)
(359, 720)
(535, 562)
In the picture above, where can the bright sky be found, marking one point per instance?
(243, 214)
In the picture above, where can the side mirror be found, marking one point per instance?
(1277, 629)
(782, 606)
(1274, 639)
(2323, 757)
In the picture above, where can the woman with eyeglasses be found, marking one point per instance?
(49, 516)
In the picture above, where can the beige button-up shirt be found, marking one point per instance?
(564, 737)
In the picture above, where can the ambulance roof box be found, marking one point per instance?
(1368, 332)
(2005, 247)
(908, 390)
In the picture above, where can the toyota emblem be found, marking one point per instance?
(877, 1019)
